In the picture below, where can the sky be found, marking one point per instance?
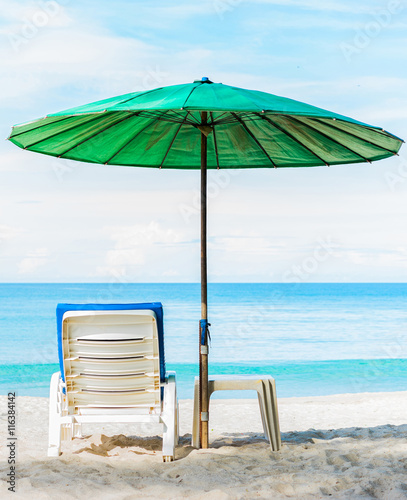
(64, 221)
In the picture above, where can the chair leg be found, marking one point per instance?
(77, 430)
(170, 417)
(177, 426)
(263, 417)
(54, 434)
(195, 422)
(269, 414)
(275, 418)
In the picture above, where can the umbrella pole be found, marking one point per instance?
(203, 337)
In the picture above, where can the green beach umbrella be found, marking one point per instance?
(205, 125)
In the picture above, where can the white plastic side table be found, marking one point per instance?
(266, 392)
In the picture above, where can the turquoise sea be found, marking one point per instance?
(315, 339)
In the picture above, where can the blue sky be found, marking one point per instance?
(66, 221)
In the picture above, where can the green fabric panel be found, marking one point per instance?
(162, 99)
(283, 149)
(172, 97)
(237, 147)
(186, 149)
(279, 105)
(220, 97)
(371, 134)
(356, 144)
(221, 115)
(149, 147)
(211, 161)
(47, 128)
(66, 139)
(98, 106)
(323, 146)
(103, 146)
(27, 126)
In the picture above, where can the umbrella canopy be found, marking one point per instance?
(251, 129)
(205, 125)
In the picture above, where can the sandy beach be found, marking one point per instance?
(342, 446)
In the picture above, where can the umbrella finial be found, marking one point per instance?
(204, 79)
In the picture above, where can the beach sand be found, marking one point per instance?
(344, 446)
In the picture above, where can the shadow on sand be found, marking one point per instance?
(153, 444)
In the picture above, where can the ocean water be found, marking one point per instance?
(315, 339)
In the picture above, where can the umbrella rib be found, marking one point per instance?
(98, 132)
(244, 92)
(215, 142)
(232, 119)
(173, 139)
(61, 132)
(354, 135)
(39, 126)
(155, 114)
(254, 138)
(293, 138)
(130, 140)
(140, 94)
(160, 88)
(229, 118)
(177, 114)
(328, 137)
(220, 116)
(193, 121)
(188, 96)
(173, 118)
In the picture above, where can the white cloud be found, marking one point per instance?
(33, 261)
(330, 6)
(171, 273)
(64, 55)
(144, 235)
(134, 246)
(7, 232)
(389, 111)
(14, 11)
(382, 259)
(254, 245)
(181, 10)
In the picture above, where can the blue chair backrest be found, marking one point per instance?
(156, 307)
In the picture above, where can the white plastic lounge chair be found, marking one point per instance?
(267, 397)
(112, 370)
